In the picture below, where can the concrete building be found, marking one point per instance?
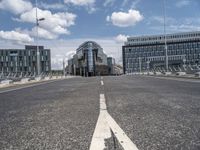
(148, 52)
(17, 62)
(89, 60)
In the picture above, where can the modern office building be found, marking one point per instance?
(89, 60)
(148, 52)
(24, 61)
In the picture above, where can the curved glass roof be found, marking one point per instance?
(88, 44)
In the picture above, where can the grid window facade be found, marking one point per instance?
(24, 61)
(139, 52)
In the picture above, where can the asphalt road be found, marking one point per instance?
(156, 114)
(58, 115)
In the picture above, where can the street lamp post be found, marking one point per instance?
(148, 62)
(140, 64)
(166, 54)
(37, 47)
(184, 66)
(64, 72)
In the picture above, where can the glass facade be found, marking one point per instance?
(24, 61)
(149, 52)
(89, 60)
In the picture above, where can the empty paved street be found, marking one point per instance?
(75, 114)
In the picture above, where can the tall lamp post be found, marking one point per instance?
(38, 51)
(166, 54)
(64, 71)
(148, 62)
(140, 64)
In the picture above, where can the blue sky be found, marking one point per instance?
(68, 23)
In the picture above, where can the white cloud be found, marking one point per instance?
(16, 36)
(182, 3)
(42, 33)
(123, 19)
(108, 3)
(88, 4)
(53, 25)
(15, 6)
(55, 6)
(174, 24)
(121, 38)
(80, 2)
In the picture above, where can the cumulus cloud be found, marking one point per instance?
(123, 19)
(15, 6)
(121, 38)
(53, 25)
(16, 36)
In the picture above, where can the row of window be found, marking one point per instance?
(23, 52)
(132, 55)
(175, 36)
(22, 58)
(179, 57)
(161, 47)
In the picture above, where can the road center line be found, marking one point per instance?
(102, 83)
(105, 124)
(102, 130)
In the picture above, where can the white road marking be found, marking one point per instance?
(103, 129)
(28, 86)
(123, 139)
(102, 83)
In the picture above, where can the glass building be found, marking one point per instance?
(148, 52)
(89, 60)
(20, 62)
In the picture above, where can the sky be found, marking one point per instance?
(69, 23)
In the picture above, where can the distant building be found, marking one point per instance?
(89, 60)
(111, 65)
(148, 52)
(24, 61)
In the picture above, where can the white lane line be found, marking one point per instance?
(102, 83)
(15, 89)
(106, 123)
(102, 130)
(123, 139)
